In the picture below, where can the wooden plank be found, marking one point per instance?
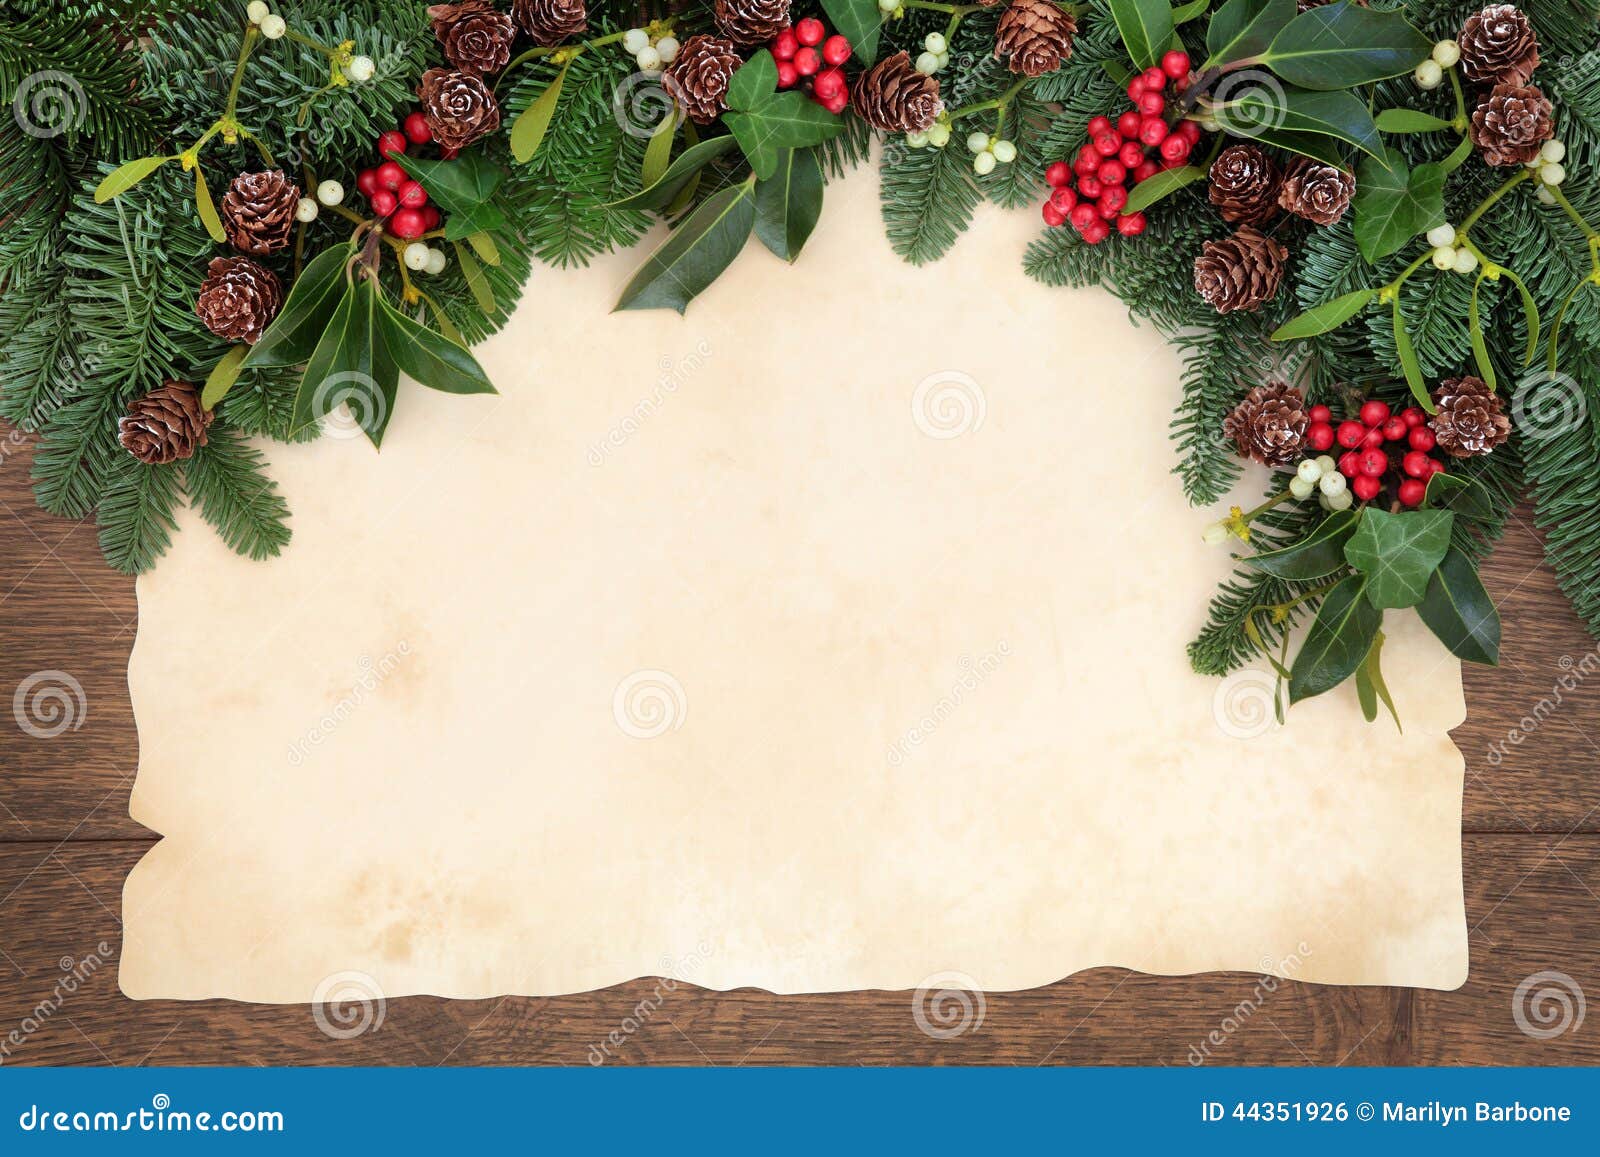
(1531, 900)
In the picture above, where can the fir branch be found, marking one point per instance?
(226, 480)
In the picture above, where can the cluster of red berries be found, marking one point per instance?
(393, 196)
(1374, 444)
(814, 61)
(1115, 158)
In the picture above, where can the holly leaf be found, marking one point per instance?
(1163, 184)
(1339, 639)
(1315, 556)
(294, 333)
(429, 358)
(1399, 553)
(1244, 28)
(462, 189)
(1146, 28)
(789, 203)
(1460, 612)
(1262, 109)
(1342, 45)
(1393, 204)
(351, 365)
(696, 253)
(687, 166)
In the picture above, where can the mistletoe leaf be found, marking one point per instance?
(222, 377)
(120, 180)
(527, 133)
(207, 208)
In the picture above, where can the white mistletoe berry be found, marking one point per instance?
(1466, 261)
(1326, 463)
(1446, 53)
(1552, 173)
(257, 11)
(1309, 471)
(305, 210)
(1428, 74)
(1340, 501)
(888, 5)
(330, 193)
(1441, 235)
(635, 41)
(1300, 487)
(360, 69)
(1004, 151)
(1444, 258)
(928, 63)
(437, 262)
(1216, 534)
(416, 256)
(648, 59)
(273, 26)
(917, 140)
(1331, 484)
(1553, 151)
(667, 48)
(934, 43)
(1546, 197)
(983, 164)
(938, 134)
(978, 142)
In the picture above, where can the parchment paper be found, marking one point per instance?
(829, 638)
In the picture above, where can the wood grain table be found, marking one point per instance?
(1531, 835)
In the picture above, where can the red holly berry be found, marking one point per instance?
(1413, 416)
(1421, 438)
(412, 195)
(810, 31)
(1087, 161)
(1136, 89)
(1175, 64)
(1350, 433)
(836, 49)
(1098, 127)
(391, 176)
(1189, 131)
(1153, 131)
(1321, 414)
(1131, 225)
(1146, 170)
(1417, 464)
(1130, 154)
(1112, 199)
(1089, 187)
(1154, 79)
(1395, 429)
(1349, 463)
(1319, 436)
(1107, 144)
(1097, 232)
(1373, 437)
(829, 84)
(1372, 462)
(407, 224)
(1052, 215)
(391, 143)
(787, 76)
(1412, 492)
(1082, 216)
(1064, 199)
(785, 45)
(1374, 412)
(807, 62)
(1435, 467)
(1365, 487)
(1175, 149)
(431, 217)
(383, 202)
(417, 129)
(838, 104)
(447, 153)
(1151, 103)
(1057, 174)
(1111, 173)
(367, 182)
(1128, 124)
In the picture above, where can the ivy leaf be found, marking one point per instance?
(1330, 315)
(1407, 120)
(678, 175)
(1459, 611)
(1163, 184)
(1393, 204)
(696, 253)
(120, 180)
(1262, 109)
(223, 375)
(790, 120)
(859, 22)
(431, 359)
(527, 133)
(1146, 28)
(753, 83)
(1316, 556)
(1399, 553)
(207, 208)
(462, 189)
(294, 333)
(1370, 685)
(1342, 45)
(1244, 28)
(1339, 639)
(789, 203)
(351, 364)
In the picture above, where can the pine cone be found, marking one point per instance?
(1317, 192)
(258, 212)
(1498, 46)
(475, 35)
(1511, 124)
(893, 96)
(1269, 425)
(751, 22)
(1470, 419)
(1036, 35)
(458, 107)
(1244, 184)
(165, 425)
(238, 299)
(551, 21)
(1240, 272)
(698, 76)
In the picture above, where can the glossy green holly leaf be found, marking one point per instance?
(790, 120)
(1399, 553)
(463, 190)
(684, 168)
(430, 358)
(351, 365)
(1315, 556)
(294, 333)
(789, 203)
(222, 377)
(1258, 109)
(1339, 640)
(1467, 497)
(1394, 203)
(1241, 29)
(1328, 316)
(1317, 146)
(1343, 45)
(120, 180)
(1458, 609)
(753, 83)
(696, 253)
(1371, 687)
(1163, 184)
(859, 22)
(1146, 28)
